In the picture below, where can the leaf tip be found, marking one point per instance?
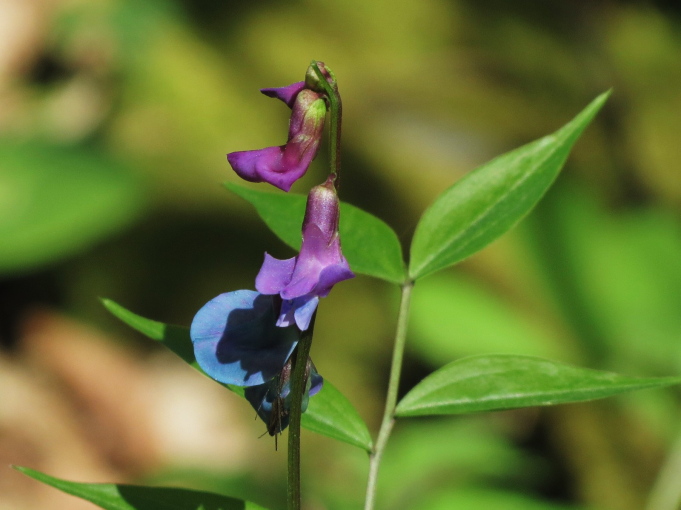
(22, 469)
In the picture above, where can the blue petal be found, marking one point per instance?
(236, 340)
(298, 311)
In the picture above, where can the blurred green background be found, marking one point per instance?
(115, 117)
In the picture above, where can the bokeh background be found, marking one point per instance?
(115, 117)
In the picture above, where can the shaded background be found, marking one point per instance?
(115, 117)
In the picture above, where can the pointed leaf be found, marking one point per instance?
(490, 200)
(134, 497)
(369, 244)
(492, 383)
(329, 412)
(332, 415)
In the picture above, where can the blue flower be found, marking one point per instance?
(236, 341)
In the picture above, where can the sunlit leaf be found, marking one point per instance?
(490, 200)
(369, 244)
(491, 383)
(329, 412)
(134, 497)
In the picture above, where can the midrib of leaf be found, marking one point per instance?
(553, 393)
(481, 217)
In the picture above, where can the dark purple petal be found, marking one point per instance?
(283, 165)
(286, 94)
(319, 266)
(331, 275)
(274, 274)
(301, 281)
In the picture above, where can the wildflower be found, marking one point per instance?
(282, 165)
(237, 342)
(302, 280)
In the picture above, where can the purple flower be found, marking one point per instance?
(237, 342)
(302, 280)
(283, 165)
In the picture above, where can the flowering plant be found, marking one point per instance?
(257, 342)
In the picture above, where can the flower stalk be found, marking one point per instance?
(391, 400)
(320, 208)
(298, 384)
(335, 104)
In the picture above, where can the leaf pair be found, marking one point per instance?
(465, 218)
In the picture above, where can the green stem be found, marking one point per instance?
(298, 383)
(666, 493)
(391, 399)
(335, 119)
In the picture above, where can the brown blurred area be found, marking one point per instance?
(76, 403)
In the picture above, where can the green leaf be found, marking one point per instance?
(133, 497)
(329, 413)
(492, 383)
(369, 244)
(328, 410)
(57, 201)
(487, 202)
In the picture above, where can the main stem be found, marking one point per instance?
(298, 384)
(391, 399)
(666, 493)
(302, 352)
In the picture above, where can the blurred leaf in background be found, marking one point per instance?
(56, 201)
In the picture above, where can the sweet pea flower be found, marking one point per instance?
(302, 280)
(237, 342)
(282, 165)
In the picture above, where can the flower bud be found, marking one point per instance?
(282, 165)
(312, 80)
(302, 280)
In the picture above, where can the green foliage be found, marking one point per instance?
(329, 413)
(133, 497)
(369, 244)
(491, 383)
(483, 499)
(56, 201)
(421, 451)
(490, 200)
(454, 316)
